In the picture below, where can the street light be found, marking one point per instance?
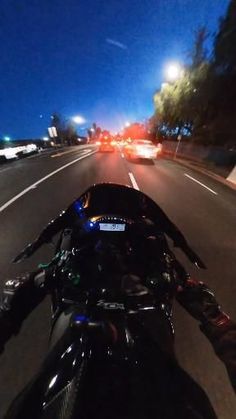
(173, 72)
(7, 139)
(45, 138)
(127, 124)
(78, 119)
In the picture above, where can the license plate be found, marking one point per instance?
(111, 227)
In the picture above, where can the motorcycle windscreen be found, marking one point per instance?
(110, 198)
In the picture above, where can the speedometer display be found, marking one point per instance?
(111, 227)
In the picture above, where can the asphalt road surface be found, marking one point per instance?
(36, 189)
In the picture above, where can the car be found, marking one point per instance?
(106, 144)
(15, 150)
(142, 149)
(29, 149)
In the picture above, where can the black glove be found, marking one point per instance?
(26, 252)
(201, 303)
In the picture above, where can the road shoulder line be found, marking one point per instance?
(205, 172)
(200, 183)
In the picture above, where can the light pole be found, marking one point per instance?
(45, 141)
(178, 144)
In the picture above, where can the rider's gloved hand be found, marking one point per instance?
(217, 326)
(200, 302)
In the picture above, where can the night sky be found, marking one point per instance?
(102, 59)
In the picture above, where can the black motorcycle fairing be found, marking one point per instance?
(133, 377)
(105, 199)
(119, 264)
(52, 393)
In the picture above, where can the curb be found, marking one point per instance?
(206, 172)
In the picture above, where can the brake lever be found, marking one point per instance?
(26, 252)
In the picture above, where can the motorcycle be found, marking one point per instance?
(112, 282)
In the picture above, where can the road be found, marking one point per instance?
(36, 189)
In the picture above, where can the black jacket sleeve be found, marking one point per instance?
(199, 301)
(223, 340)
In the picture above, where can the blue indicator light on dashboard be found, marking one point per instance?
(90, 225)
(78, 207)
(81, 318)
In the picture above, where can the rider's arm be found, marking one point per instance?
(20, 296)
(200, 302)
(222, 335)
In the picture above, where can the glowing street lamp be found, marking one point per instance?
(173, 72)
(45, 138)
(127, 124)
(78, 119)
(7, 139)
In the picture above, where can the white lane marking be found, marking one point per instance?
(133, 181)
(71, 151)
(200, 183)
(5, 169)
(40, 155)
(62, 153)
(34, 185)
(122, 155)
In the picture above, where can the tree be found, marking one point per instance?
(94, 132)
(202, 102)
(70, 134)
(66, 131)
(58, 123)
(198, 55)
(225, 42)
(180, 106)
(222, 81)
